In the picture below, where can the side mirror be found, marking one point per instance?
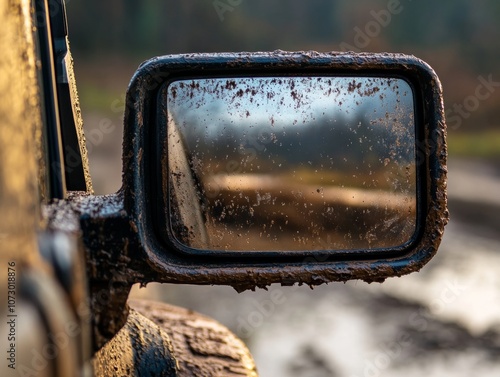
(252, 169)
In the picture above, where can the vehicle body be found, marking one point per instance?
(71, 257)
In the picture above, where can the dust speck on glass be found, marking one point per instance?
(291, 163)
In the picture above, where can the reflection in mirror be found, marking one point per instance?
(291, 163)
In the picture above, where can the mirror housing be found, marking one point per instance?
(146, 192)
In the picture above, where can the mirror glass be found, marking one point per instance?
(291, 163)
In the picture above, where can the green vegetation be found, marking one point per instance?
(97, 99)
(479, 145)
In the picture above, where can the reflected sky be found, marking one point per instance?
(286, 102)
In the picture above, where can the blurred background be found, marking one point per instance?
(443, 321)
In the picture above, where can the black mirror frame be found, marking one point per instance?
(144, 186)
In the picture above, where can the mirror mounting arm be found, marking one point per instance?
(113, 258)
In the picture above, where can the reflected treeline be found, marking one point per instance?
(356, 144)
